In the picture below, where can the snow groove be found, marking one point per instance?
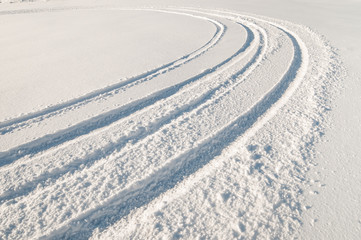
(151, 127)
(84, 179)
(182, 166)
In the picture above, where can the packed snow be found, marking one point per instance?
(194, 119)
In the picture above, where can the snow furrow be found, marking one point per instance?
(185, 136)
(124, 158)
(182, 102)
(254, 202)
(182, 166)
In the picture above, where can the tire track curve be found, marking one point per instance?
(266, 208)
(191, 161)
(139, 133)
(166, 154)
(226, 60)
(210, 88)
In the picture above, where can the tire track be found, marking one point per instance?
(166, 153)
(176, 170)
(183, 193)
(45, 194)
(205, 143)
(185, 104)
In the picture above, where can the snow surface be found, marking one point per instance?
(189, 119)
(37, 48)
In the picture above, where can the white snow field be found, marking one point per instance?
(177, 120)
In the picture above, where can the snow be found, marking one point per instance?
(189, 119)
(40, 45)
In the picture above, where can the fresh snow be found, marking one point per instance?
(195, 119)
(37, 48)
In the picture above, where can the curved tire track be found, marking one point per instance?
(136, 170)
(187, 163)
(185, 104)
